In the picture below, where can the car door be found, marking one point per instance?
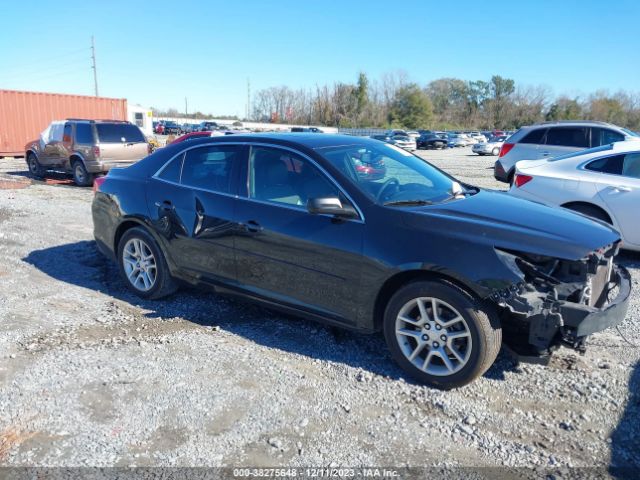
(191, 201)
(284, 252)
(50, 145)
(619, 189)
(562, 140)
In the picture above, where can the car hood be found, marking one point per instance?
(503, 221)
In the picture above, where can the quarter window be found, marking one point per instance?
(171, 172)
(568, 137)
(602, 136)
(284, 177)
(612, 165)
(534, 137)
(210, 167)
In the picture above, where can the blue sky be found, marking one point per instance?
(156, 53)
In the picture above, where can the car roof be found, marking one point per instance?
(308, 140)
(572, 123)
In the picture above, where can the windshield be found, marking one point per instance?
(579, 153)
(387, 174)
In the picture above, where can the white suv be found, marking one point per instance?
(551, 139)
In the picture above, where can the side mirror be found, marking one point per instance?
(331, 206)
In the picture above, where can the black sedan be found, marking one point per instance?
(431, 140)
(446, 270)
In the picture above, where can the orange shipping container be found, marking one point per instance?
(23, 115)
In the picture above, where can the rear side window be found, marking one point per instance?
(118, 133)
(534, 137)
(171, 171)
(568, 137)
(612, 165)
(84, 133)
(210, 167)
(603, 136)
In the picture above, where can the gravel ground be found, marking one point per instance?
(92, 376)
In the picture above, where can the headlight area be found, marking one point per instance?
(560, 302)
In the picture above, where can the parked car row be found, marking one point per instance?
(550, 139)
(168, 127)
(399, 140)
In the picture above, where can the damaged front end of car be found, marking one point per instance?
(560, 302)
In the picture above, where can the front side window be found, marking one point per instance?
(210, 167)
(282, 176)
(55, 135)
(568, 137)
(390, 175)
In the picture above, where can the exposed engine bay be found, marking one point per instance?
(561, 301)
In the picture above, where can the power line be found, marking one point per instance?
(40, 70)
(48, 59)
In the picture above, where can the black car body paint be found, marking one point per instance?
(341, 270)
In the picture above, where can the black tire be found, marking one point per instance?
(35, 169)
(81, 176)
(495, 152)
(164, 284)
(481, 320)
(590, 211)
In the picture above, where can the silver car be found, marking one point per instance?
(492, 147)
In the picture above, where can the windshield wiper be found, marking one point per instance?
(407, 203)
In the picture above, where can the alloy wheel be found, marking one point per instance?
(139, 264)
(433, 336)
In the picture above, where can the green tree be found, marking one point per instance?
(411, 108)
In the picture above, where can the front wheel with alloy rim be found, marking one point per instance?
(35, 169)
(440, 334)
(143, 266)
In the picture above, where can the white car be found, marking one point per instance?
(492, 147)
(551, 139)
(602, 182)
(478, 137)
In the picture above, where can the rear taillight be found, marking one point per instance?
(506, 148)
(96, 151)
(97, 183)
(520, 179)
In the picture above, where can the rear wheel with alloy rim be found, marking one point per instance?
(143, 266)
(441, 335)
(81, 176)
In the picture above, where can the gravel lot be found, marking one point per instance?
(92, 376)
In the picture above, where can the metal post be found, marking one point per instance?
(95, 73)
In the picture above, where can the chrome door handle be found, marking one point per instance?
(545, 154)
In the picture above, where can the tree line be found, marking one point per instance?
(393, 101)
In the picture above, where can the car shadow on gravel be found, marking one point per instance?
(625, 440)
(82, 265)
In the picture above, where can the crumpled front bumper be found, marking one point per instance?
(586, 320)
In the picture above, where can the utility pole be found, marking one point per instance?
(185, 107)
(93, 59)
(248, 99)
